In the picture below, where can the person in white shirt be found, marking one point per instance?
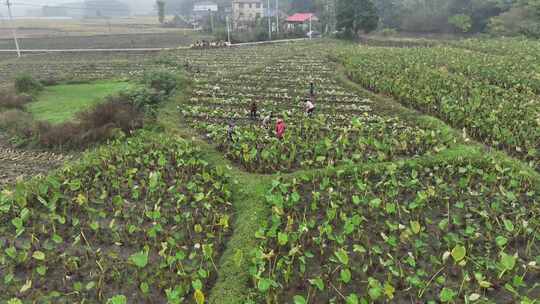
(310, 107)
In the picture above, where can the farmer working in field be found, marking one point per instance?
(253, 111)
(231, 131)
(266, 120)
(310, 107)
(280, 128)
(311, 88)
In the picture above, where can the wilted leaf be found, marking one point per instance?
(199, 296)
(415, 227)
(38, 255)
(342, 256)
(458, 253)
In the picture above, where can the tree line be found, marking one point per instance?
(500, 17)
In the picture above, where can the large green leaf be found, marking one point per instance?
(140, 259)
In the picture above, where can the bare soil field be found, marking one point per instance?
(41, 27)
(21, 164)
(106, 41)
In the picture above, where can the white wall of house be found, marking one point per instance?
(204, 7)
(246, 13)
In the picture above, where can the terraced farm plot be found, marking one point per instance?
(144, 219)
(401, 233)
(496, 103)
(345, 129)
(369, 202)
(78, 66)
(107, 41)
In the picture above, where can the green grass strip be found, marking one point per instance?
(233, 284)
(60, 103)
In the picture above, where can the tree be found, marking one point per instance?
(522, 19)
(161, 10)
(389, 12)
(461, 22)
(298, 6)
(356, 15)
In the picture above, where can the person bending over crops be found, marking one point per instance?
(253, 112)
(231, 131)
(280, 128)
(310, 107)
(266, 120)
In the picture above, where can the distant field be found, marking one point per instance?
(170, 39)
(79, 66)
(36, 28)
(61, 102)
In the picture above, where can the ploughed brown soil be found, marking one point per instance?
(18, 163)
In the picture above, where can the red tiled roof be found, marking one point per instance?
(301, 17)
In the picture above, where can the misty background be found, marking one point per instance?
(23, 8)
(497, 17)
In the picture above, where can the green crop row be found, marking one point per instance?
(460, 231)
(322, 142)
(516, 48)
(504, 118)
(145, 219)
(517, 74)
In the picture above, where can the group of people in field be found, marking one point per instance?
(205, 44)
(280, 126)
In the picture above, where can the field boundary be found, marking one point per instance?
(144, 49)
(95, 50)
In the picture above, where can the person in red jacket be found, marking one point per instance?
(280, 128)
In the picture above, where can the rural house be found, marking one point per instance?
(204, 10)
(246, 13)
(300, 21)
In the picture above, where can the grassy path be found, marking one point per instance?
(232, 286)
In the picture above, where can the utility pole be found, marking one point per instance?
(228, 30)
(211, 20)
(269, 20)
(13, 31)
(277, 16)
(310, 32)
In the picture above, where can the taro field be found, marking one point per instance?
(415, 180)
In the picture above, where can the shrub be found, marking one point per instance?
(26, 84)
(162, 81)
(117, 112)
(388, 32)
(461, 22)
(144, 98)
(95, 125)
(61, 135)
(49, 81)
(17, 122)
(9, 100)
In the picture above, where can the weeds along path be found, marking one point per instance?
(232, 285)
(19, 164)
